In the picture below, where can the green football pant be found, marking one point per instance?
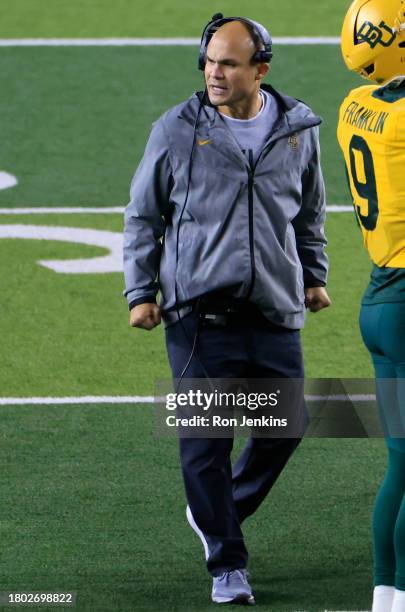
(383, 330)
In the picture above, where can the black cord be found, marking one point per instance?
(195, 340)
(190, 168)
(192, 343)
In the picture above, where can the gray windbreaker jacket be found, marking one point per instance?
(256, 233)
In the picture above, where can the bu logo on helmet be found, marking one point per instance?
(374, 35)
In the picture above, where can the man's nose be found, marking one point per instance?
(216, 71)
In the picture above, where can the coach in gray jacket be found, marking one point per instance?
(226, 220)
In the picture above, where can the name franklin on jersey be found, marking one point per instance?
(364, 118)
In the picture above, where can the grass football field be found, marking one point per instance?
(92, 499)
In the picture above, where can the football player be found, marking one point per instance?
(371, 134)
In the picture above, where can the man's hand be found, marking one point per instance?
(146, 316)
(316, 298)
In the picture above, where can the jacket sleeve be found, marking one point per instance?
(145, 219)
(309, 223)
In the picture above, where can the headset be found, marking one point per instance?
(260, 32)
(263, 55)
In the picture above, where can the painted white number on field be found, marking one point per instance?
(7, 180)
(112, 262)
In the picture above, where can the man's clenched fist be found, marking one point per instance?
(146, 316)
(316, 298)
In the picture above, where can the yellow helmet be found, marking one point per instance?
(373, 39)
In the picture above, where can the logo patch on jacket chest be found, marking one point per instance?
(294, 142)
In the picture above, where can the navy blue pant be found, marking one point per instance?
(221, 498)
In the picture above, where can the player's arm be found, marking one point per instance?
(144, 229)
(309, 232)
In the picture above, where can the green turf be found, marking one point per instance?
(93, 502)
(68, 334)
(75, 121)
(140, 18)
(332, 343)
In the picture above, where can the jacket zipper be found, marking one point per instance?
(251, 235)
(251, 176)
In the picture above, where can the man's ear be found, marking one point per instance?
(262, 70)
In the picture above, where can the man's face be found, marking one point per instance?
(230, 76)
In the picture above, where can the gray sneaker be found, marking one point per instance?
(232, 587)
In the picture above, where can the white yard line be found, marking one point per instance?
(70, 210)
(66, 210)
(86, 399)
(339, 209)
(145, 399)
(150, 42)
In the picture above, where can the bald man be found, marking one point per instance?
(226, 220)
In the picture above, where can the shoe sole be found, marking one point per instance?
(239, 599)
(198, 531)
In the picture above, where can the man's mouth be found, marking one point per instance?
(217, 89)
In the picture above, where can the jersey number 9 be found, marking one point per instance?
(368, 189)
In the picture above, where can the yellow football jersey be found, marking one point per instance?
(371, 134)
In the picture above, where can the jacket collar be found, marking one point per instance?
(294, 114)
